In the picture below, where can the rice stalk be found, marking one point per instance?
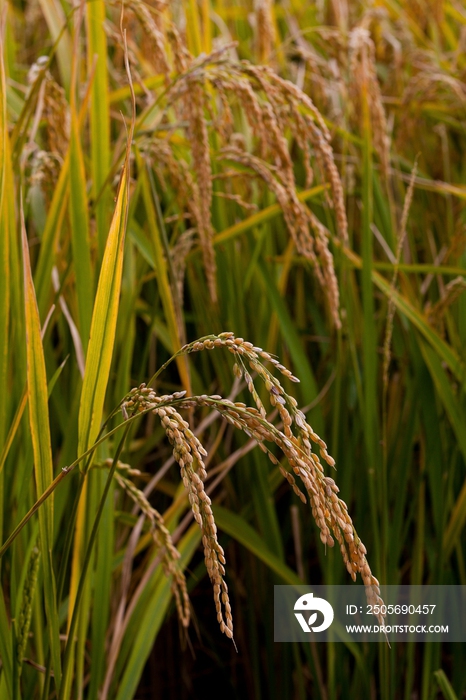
(214, 86)
(362, 71)
(266, 35)
(162, 540)
(329, 511)
(399, 248)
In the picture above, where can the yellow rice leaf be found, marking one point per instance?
(41, 443)
(105, 312)
(104, 319)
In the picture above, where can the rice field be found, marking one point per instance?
(232, 340)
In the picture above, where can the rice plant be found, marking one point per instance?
(293, 172)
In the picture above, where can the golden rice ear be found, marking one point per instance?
(163, 541)
(204, 94)
(300, 222)
(293, 436)
(266, 36)
(189, 453)
(157, 42)
(199, 140)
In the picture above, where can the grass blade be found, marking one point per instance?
(55, 18)
(417, 318)
(445, 685)
(165, 289)
(104, 318)
(99, 116)
(6, 226)
(41, 442)
(79, 209)
(80, 233)
(5, 647)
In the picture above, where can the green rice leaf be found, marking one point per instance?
(80, 233)
(41, 443)
(445, 685)
(99, 116)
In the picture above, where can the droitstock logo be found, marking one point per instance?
(342, 614)
(312, 605)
